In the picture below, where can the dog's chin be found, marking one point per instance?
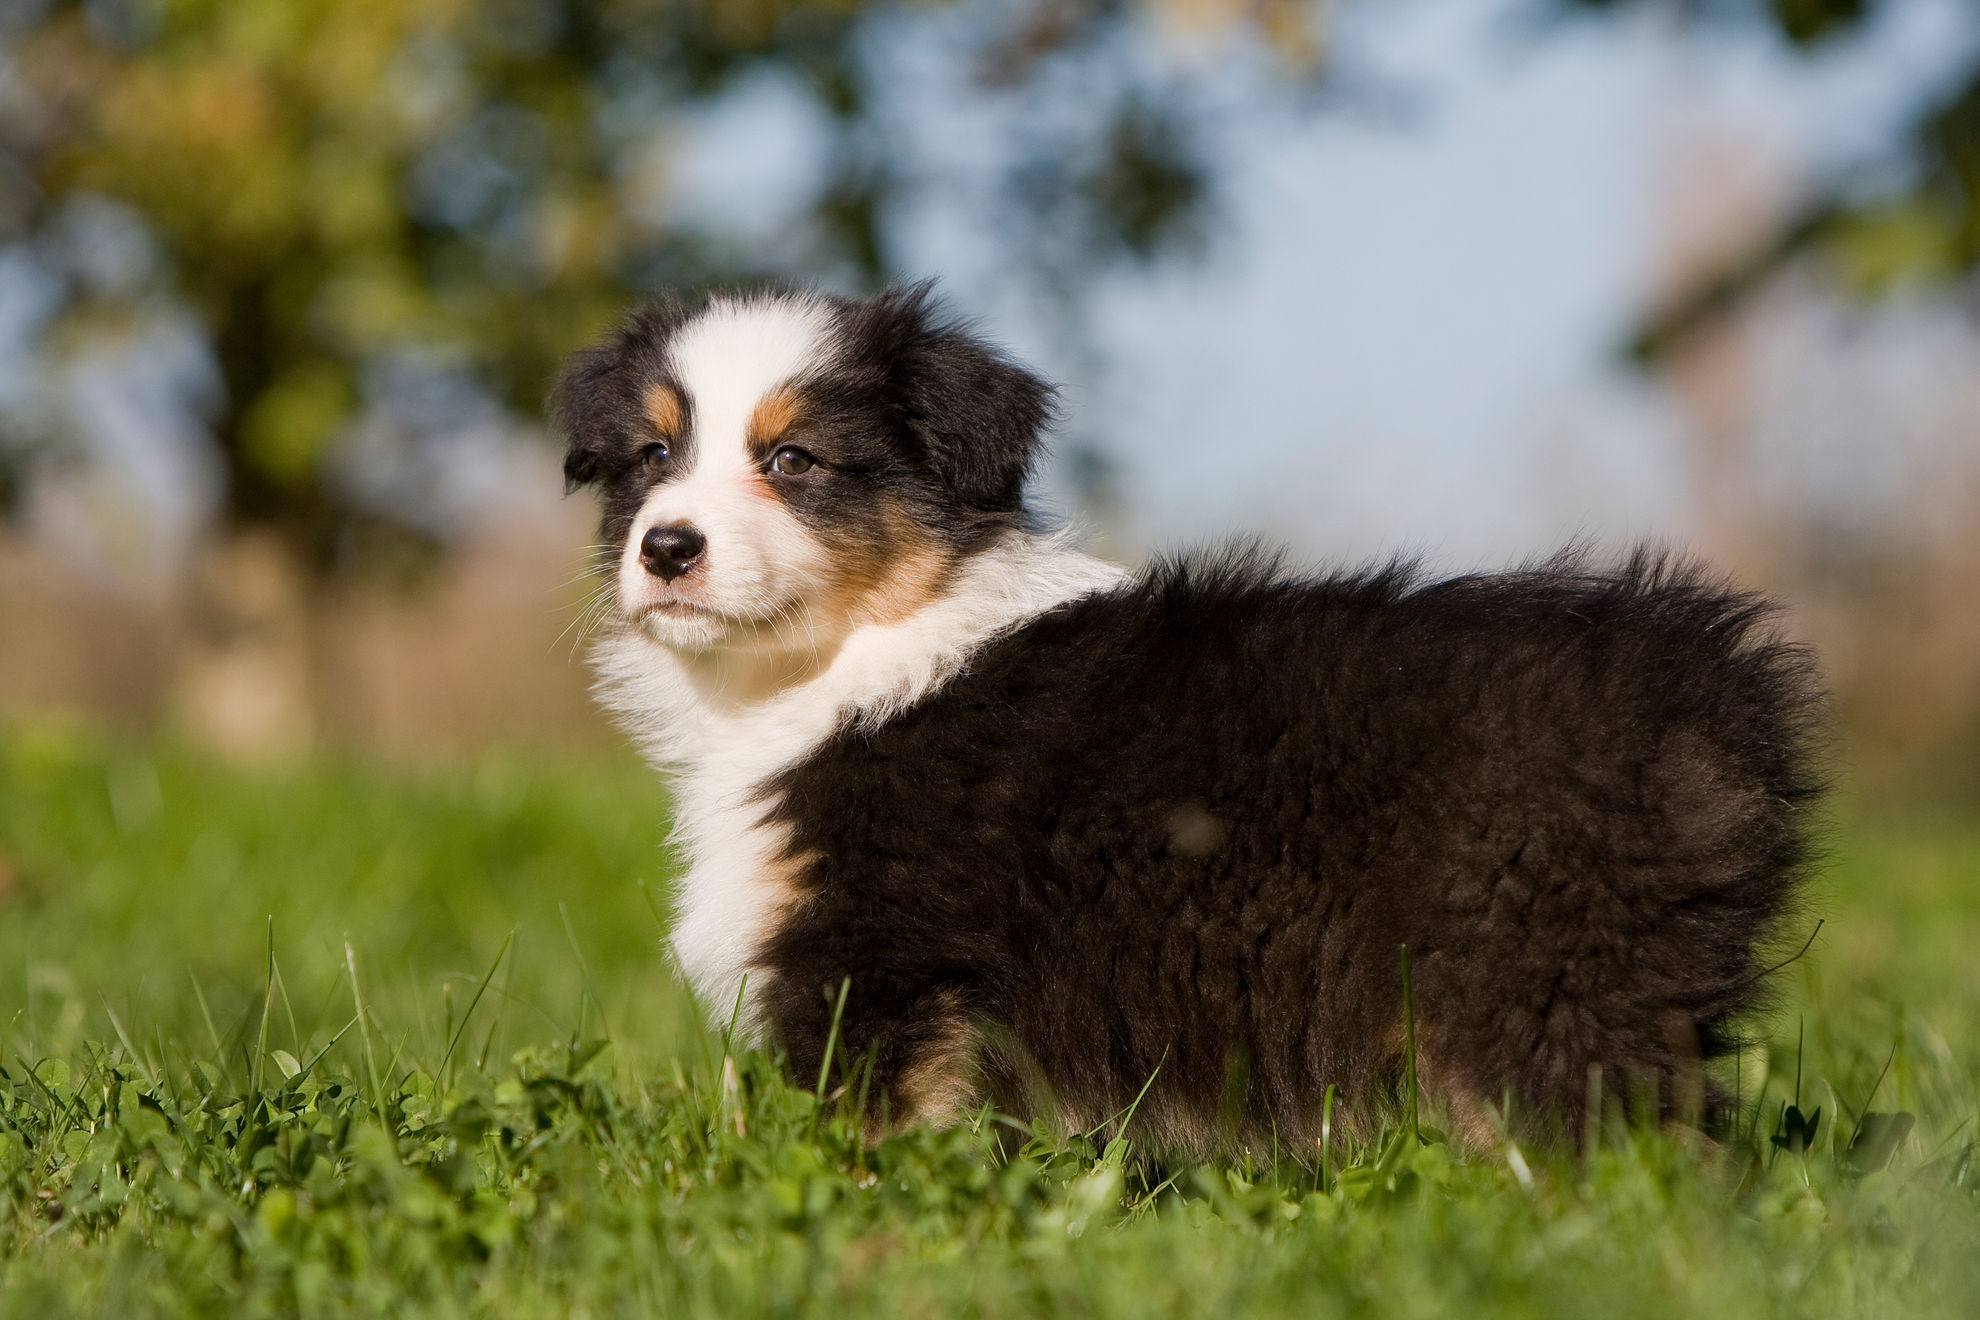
(684, 626)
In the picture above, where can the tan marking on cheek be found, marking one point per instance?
(874, 576)
(664, 409)
(890, 577)
(773, 415)
(914, 579)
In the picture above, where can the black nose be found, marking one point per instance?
(669, 552)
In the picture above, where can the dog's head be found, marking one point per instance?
(774, 467)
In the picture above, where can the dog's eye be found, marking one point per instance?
(790, 460)
(653, 453)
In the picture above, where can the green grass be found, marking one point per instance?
(510, 1109)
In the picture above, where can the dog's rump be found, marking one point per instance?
(1188, 824)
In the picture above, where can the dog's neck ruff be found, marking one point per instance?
(719, 753)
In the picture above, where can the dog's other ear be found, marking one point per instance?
(581, 409)
(595, 402)
(980, 415)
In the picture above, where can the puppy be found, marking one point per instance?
(1016, 828)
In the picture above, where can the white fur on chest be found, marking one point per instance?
(719, 755)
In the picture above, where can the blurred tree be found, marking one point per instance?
(328, 182)
(1912, 216)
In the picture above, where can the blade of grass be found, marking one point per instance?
(267, 1003)
(461, 1028)
(720, 1072)
(502, 999)
(1327, 1136)
(1126, 1115)
(1409, 1049)
(288, 1009)
(71, 1108)
(735, 1013)
(585, 992)
(364, 1030)
(1881, 1073)
(392, 1064)
(317, 1057)
(206, 1016)
(1800, 1044)
(831, 1041)
(150, 1073)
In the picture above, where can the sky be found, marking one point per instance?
(1400, 333)
(1407, 343)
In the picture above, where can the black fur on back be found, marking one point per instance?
(1188, 824)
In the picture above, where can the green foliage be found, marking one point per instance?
(328, 184)
(482, 182)
(1922, 228)
(333, 182)
(1806, 22)
(428, 1061)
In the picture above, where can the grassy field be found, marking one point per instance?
(338, 1039)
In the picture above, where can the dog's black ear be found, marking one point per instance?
(582, 408)
(980, 415)
(595, 402)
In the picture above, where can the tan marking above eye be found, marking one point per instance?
(664, 409)
(773, 415)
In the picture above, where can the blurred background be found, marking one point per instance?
(283, 283)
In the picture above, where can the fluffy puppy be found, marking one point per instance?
(1056, 830)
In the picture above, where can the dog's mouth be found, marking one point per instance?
(676, 609)
(686, 614)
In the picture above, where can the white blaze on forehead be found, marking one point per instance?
(758, 560)
(728, 358)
